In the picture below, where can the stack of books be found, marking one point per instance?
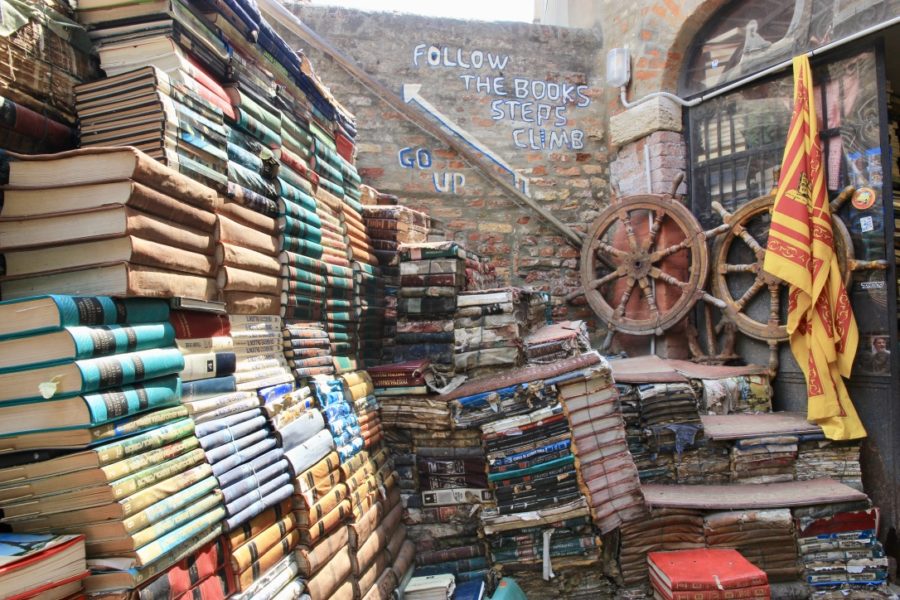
(839, 551)
(134, 480)
(45, 55)
(170, 119)
(253, 142)
(203, 360)
(248, 269)
(376, 537)
(324, 159)
(307, 349)
(400, 379)
(108, 221)
(818, 457)
(712, 573)
(340, 319)
(361, 392)
(337, 407)
(430, 587)
(255, 548)
(490, 326)
(764, 537)
(163, 34)
(321, 502)
(46, 566)
(369, 307)
(556, 341)
(24, 130)
(264, 364)
(72, 365)
(388, 227)
(201, 574)
(432, 274)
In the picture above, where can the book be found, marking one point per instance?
(29, 316)
(130, 249)
(704, 569)
(128, 455)
(89, 375)
(30, 564)
(101, 223)
(115, 279)
(207, 365)
(90, 410)
(83, 437)
(73, 343)
(137, 491)
(115, 575)
(81, 503)
(32, 202)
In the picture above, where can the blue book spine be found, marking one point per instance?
(206, 388)
(304, 205)
(270, 394)
(129, 400)
(242, 494)
(124, 369)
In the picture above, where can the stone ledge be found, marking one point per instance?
(656, 114)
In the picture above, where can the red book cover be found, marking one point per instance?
(753, 592)
(211, 588)
(842, 522)
(410, 371)
(195, 324)
(186, 574)
(705, 569)
(31, 564)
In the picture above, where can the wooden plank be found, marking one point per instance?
(766, 495)
(735, 427)
(698, 371)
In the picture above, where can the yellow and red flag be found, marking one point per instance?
(800, 251)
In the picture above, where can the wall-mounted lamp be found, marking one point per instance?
(618, 67)
(618, 74)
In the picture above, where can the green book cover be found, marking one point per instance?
(72, 311)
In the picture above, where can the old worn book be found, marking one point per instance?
(108, 164)
(32, 565)
(74, 343)
(89, 375)
(55, 259)
(704, 569)
(116, 279)
(33, 202)
(30, 316)
(104, 222)
(89, 410)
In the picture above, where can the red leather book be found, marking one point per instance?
(194, 324)
(32, 565)
(411, 372)
(753, 592)
(186, 574)
(211, 588)
(704, 569)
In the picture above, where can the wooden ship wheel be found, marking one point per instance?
(737, 284)
(639, 251)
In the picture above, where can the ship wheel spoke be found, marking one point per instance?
(597, 283)
(647, 290)
(625, 219)
(775, 304)
(626, 295)
(659, 215)
(741, 268)
(758, 284)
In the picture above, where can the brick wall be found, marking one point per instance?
(531, 94)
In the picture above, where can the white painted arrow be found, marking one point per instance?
(411, 94)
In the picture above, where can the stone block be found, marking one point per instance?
(656, 114)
